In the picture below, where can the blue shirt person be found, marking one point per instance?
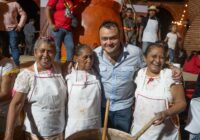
(117, 65)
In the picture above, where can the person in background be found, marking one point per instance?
(138, 25)
(150, 29)
(156, 91)
(29, 32)
(84, 94)
(10, 27)
(182, 56)
(7, 77)
(193, 124)
(192, 64)
(41, 91)
(171, 40)
(117, 64)
(129, 27)
(60, 17)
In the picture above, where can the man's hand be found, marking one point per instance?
(176, 74)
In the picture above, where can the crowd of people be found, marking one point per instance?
(59, 100)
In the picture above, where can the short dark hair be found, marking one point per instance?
(129, 9)
(108, 24)
(155, 45)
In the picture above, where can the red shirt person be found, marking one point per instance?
(60, 15)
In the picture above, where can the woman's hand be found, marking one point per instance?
(160, 117)
(18, 28)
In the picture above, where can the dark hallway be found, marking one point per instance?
(166, 19)
(32, 11)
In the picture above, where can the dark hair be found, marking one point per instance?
(129, 9)
(192, 54)
(155, 45)
(170, 26)
(31, 19)
(108, 24)
(81, 47)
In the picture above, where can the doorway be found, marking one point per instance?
(166, 19)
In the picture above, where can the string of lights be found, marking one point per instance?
(181, 22)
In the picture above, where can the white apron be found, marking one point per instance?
(150, 33)
(149, 102)
(193, 123)
(45, 110)
(84, 102)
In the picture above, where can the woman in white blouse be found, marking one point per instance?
(156, 91)
(41, 91)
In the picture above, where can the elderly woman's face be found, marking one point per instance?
(85, 59)
(155, 60)
(44, 55)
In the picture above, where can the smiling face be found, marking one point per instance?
(110, 40)
(85, 59)
(155, 59)
(44, 56)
